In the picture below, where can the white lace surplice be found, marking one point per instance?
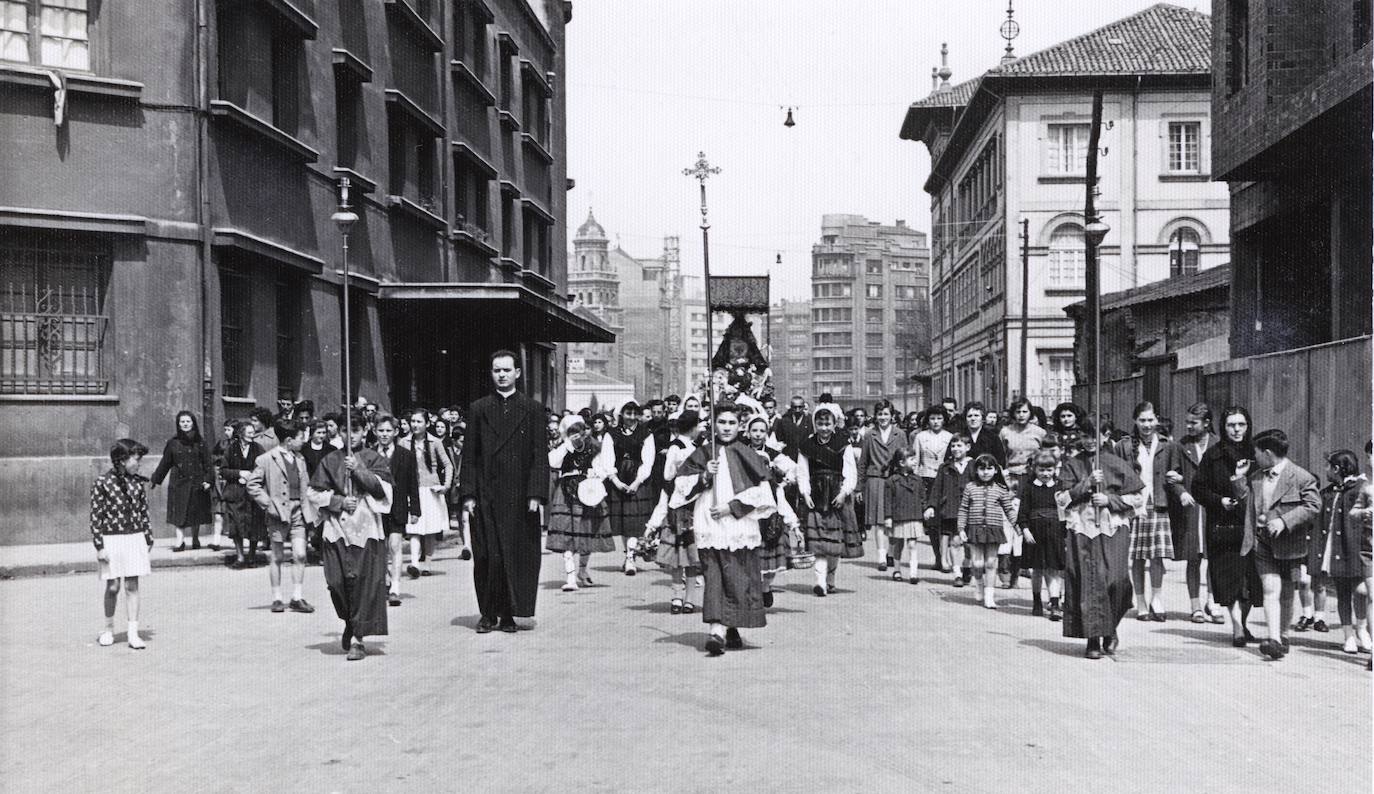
(727, 532)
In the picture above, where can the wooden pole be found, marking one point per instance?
(1092, 275)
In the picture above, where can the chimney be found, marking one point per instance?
(901, 224)
(934, 79)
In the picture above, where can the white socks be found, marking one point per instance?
(822, 567)
(135, 641)
(296, 593)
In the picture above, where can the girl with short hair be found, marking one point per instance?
(122, 535)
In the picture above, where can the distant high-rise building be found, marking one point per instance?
(789, 356)
(870, 304)
(657, 315)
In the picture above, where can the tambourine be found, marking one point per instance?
(591, 492)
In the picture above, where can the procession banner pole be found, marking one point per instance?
(701, 171)
(344, 218)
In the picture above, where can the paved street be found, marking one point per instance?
(883, 687)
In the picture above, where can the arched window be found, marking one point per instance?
(1184, 248)
(1067, 257)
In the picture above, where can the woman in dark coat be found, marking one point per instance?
(187, 458)
(1222, 488)
(243, 516)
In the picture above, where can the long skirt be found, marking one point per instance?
(577, 528)
(356, 577)
(875, 501)
(1151, 538)
(1228, 569)
(1097, 583)
(773, 556)
(677, 543)
(244, 520)
(630, 512)
(734, 588)
(834, 532)
(1047, 552)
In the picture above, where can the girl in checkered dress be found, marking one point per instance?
(1152, 539)
(121, 534)
(984, 513)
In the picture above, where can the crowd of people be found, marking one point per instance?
(725, 498)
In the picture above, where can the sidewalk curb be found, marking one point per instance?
(89, 566)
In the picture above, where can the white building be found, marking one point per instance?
(1011, 145)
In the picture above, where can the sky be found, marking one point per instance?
(650, 83)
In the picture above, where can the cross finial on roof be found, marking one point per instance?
(945, 72)
(1009, 30)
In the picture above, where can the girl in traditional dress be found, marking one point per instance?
(630, 500)
(733, 492)
(1101, 494)
(906, 496)
(677, 546)
(576, 529)
(877, 448)
(1152, 540)
(122, 535)
(435, 472)
(984, 510)
(187, 459)
(245, 520)
(827, 475)
(777, 530)
(1039, 514)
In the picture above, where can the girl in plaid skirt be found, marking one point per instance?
(1152, 539)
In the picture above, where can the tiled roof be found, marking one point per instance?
(957, 96)
(1212, 278)
(1162, 39)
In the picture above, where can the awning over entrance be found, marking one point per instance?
(513, 309)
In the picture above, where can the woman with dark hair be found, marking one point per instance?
(1152, 539)
(435, 471)
(246, 521)
(122, 535)
(877, 449)
(1067, 419)
(1337, 543)
(1185, 514)
(187, 458)
(1222, 488)
(600, 425)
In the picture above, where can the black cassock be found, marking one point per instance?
(505, 465)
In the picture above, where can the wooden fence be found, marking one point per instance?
(1320, 396)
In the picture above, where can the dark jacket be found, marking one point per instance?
(505, 465)
(1346, 534)
(1168, 457)
(948, 490)
(191, 469)
(791, 433)
(1216, 480)
(405, 488)
(906, 497)
(237, 463)
(989, 443)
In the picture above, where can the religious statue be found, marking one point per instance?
(738, 366)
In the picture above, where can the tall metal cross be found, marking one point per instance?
(702, 171)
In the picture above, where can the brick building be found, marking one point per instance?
(1011, 146)
(165, 233)
(1291, 103)
(870, 287)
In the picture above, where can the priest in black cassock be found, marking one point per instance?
(502, 483)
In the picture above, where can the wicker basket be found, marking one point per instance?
(801, 560)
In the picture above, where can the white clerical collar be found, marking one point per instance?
(505, 395)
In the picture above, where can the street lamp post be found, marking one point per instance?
(344, 217)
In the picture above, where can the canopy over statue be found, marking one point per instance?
(739, 366)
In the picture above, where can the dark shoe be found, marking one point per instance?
(301, 605)
(195, 545)
(896, 576)
(393, 600)
(1303, 624)
(278, 606)
(412, 572)
(213, 546)
(347, 639)
(1283, 645)
(485, 625)
(508, 626)
(1271, 650)
(1320, 626)
(1239, 642)
(1094, 650)
(426, 572)
(180, 548)
(914, 580)
(1110, 644)
(733, 640)
(1198, 616)
(675, 607)
(715, 646)
(689, 608)
(819, 591)
(767, 599)
(1250, 637)
(465, 554)
(356, 651)
(238, 565)
(831, 589)
(1142, 616)
(959, 581)
(1157, 617)
(1037, 609)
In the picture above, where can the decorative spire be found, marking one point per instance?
(945, 71)
(1010, 30)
